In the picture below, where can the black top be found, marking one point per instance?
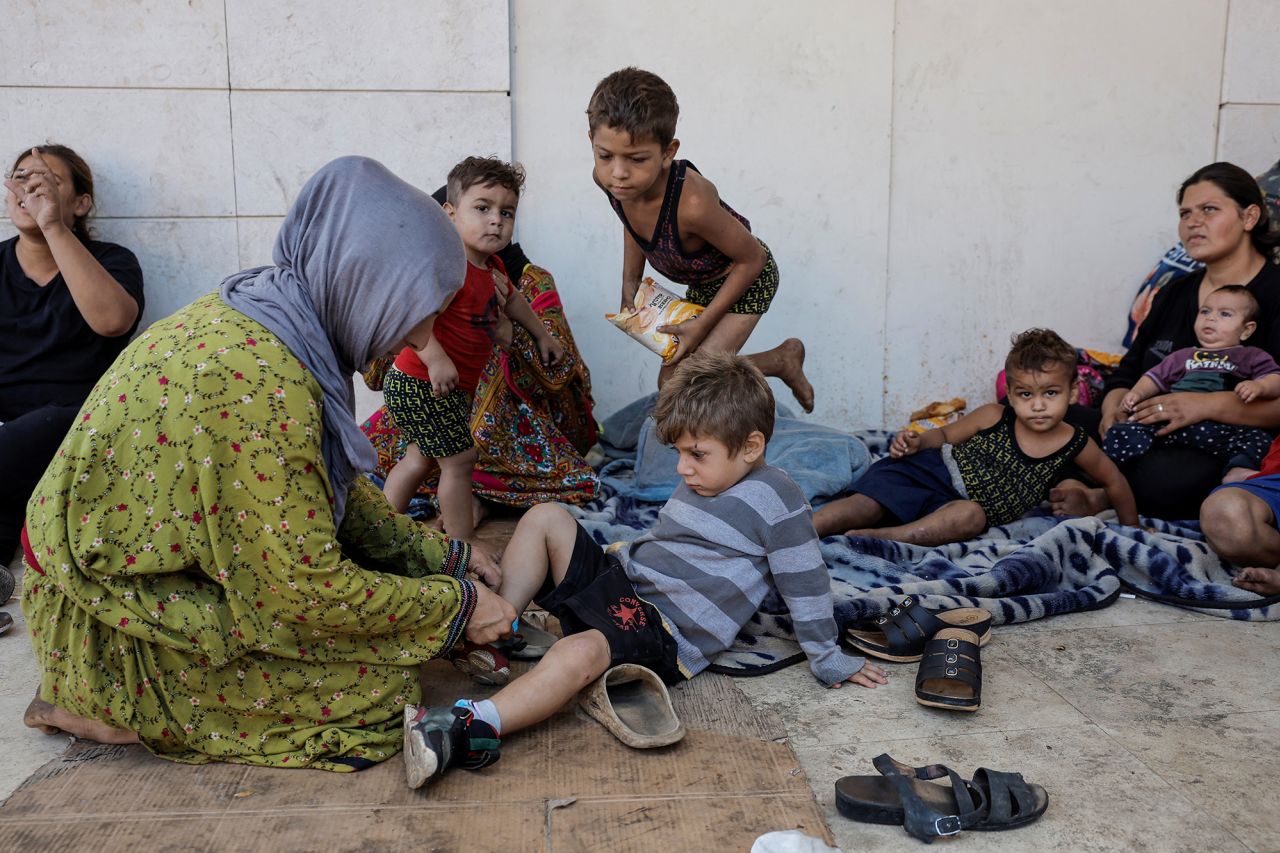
(48, 354)
(1171, 324)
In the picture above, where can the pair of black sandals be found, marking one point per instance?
(906, 796)
(946, 643)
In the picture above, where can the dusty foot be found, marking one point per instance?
(51, 720)
(791, 352)
(1072, 501)
(1236, 475)
(1259, 580)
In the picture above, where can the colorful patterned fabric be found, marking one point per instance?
(532, 423)
(190, 585)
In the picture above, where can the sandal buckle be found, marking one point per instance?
(947, 825)
(951, 671)
(953, 644)
(906, 602)
(952, 658)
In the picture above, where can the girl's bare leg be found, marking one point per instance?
(952, 522)
(840, 515)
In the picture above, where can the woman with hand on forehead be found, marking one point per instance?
(68, 304)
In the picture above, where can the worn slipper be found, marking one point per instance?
(904, 796)
(633, 704)
(900, 634)
(529, 643)
(485, 664)
(950, 674)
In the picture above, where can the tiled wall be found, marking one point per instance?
(931, 174)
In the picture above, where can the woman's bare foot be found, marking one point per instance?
(792, 372)
(1072, 500)
(51, 719)
(1236, 475)
(1260, 580)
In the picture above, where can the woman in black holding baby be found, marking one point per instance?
(1224, 223)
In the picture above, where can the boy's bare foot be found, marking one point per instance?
(51, 720)
(1072, 500)
(1236, 475)
(791, 372)
(1260, 580)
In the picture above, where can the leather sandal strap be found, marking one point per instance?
(970, 675)
(921, 820)
(908, 625)
(1006, 789)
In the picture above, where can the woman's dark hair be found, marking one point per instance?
(1241, 188)
(81, 179)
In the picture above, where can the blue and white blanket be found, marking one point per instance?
(1038, 566)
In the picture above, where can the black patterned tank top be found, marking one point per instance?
(1002, 479)
(665, 253)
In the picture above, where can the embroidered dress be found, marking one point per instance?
(189, 583)
(532, 423)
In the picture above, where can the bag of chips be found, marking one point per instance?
(655, 306)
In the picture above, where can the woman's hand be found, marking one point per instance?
(1173, 411)
(689, 336)
(904, 443)
(492, 618)
(36, 188)
(486, 564)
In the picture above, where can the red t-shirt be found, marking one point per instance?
(466, 328)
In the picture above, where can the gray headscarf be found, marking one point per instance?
(361, 258)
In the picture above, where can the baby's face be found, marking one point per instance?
(1224, 321)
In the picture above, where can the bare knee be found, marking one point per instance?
(464, 461)
(971, 519)
(413, 462)
(1229, 524)
(585, 656)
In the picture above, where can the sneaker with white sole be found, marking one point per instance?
(436, 739)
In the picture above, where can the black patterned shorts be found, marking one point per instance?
(440, 426)
(596, 593)
(758, 296)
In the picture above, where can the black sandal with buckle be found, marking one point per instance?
(901, 634)
(950, 674)
(903, 796)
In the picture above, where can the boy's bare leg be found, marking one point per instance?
(1072, 497)
(454, 494)
(1241, 528)
(404, 479)
(952, 522)
(845, 513)
(542, 544)
(785, 361)
(51, 719)
(568, 666)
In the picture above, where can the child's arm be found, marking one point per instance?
(702, 216)
(1142, 389)
(632, 269)
(519, 309)
(907, 442)
(1099, 467)
(443, 372)
(1266, 388)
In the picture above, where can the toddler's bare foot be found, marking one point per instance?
(51, 719)
(1236, 475)
(1066, 500)
(1260, 580)
(792, 372)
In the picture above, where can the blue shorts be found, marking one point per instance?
(911, 487)
(1266, 489)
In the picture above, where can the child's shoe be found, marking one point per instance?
(485, 664)
(436, 739)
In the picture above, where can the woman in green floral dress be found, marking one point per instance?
(209, 571)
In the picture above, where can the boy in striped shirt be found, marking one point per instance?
(679, 594)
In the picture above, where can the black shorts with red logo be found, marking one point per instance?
(596, 593)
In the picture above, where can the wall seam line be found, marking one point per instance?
(231, 133)
(1222, 84)
(888, 226)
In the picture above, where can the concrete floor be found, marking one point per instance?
(1151, 728)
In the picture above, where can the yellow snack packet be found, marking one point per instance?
(655, 306)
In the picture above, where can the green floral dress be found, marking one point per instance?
(191, 586)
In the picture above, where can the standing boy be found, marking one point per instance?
(674, 218)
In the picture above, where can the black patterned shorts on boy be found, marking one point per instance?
(596, 593)
(440, 426)
(758, 296)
